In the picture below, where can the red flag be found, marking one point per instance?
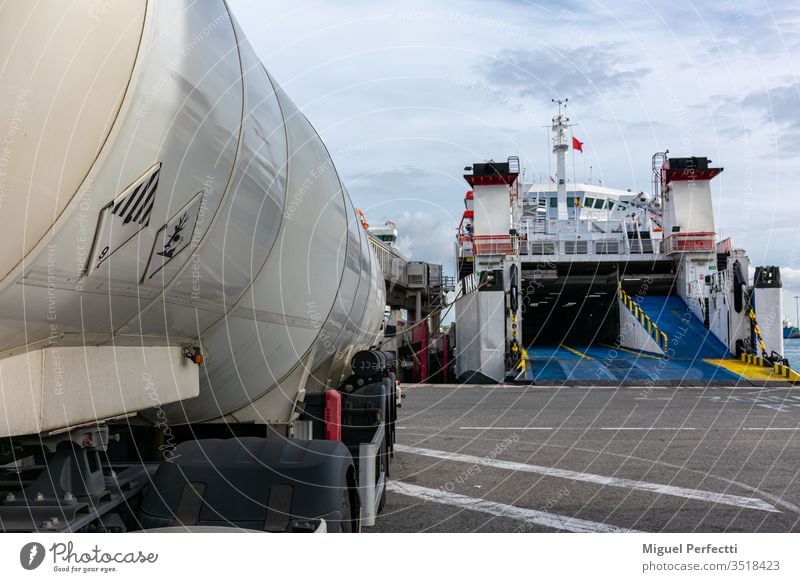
(577, 145)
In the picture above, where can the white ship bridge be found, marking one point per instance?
(602, 223)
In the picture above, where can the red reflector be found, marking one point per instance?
(333, 415)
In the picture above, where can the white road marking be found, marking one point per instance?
(642, 428)
(697, 494)
(673, 428)
(788, 403)
(506, 428)
(796, 429)
(763, 390)
(531, 516)
(515, 428)
(648, 397)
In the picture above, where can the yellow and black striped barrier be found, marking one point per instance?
(786, 372)
(778, 369)
(753, 360)
(652, 329)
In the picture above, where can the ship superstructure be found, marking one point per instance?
(597, 284)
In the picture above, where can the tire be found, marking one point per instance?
(346, 514)
(392, 424)
(384, 454)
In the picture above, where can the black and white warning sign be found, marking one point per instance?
(125, 216)
(174, 236)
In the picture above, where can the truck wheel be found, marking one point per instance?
(385, 460)
(346, 515)
(386, 457)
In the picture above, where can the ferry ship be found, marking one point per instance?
(570, 282)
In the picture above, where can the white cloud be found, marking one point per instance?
(423, 236)
(791, 288)
(405, 87)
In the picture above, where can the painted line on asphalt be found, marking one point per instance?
(530, 516)
(795, 429)
(687, 493)
(675, 428)
(506, 428)
(643, 428)
(648, 397)
(515, 428)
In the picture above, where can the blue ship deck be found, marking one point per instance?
(615, 365)
(693, 354)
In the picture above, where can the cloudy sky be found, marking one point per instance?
(407, 94)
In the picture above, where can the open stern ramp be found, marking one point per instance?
(675, 348)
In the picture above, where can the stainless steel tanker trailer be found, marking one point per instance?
(187, 298)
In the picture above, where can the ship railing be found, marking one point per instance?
(687, 242)
(698, 290)
(463, 248)
(393, 265)
(648, 324)
(535, 222)
(601, 248)
(495, 244)
(626, 240)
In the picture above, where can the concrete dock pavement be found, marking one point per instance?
(606, 459)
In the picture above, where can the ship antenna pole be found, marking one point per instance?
(560, 124)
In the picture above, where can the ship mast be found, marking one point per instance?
(560, 147)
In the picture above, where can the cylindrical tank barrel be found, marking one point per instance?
(159, 189)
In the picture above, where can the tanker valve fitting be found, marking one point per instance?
(194, 354)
